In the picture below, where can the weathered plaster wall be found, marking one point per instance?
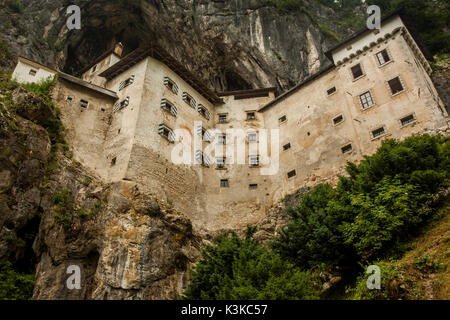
(22, 72)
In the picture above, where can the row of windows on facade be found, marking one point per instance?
(225, 183)
(187, 98)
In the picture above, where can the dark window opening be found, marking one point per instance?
(32, 72)
(222, 118)
(357, 71)
(254, 161)
(282, 119)
(346, 149)
(220, 163)
(251, 116)
(291, 174)
(84, 103)
(395, 85)
(69, 99)
(253, 186)
(222, 139)
(287, 146)
(113, 161)
(339, 119)
(331, 91)
(224, 183)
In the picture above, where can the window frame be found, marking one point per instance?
(84, 105)
(171, 85)
(224, 183)
(32, 72)
(386, 62)
(408, 123)
(223, 115)
(334, 92)
(254, 164)
(373, 137)
(344, 149)
(400, 82)
(362, 71)
(340, 122)
(371, 98)
(249, 113)
(291, 174)
(280, 122)
(287, 144)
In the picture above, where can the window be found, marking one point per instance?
(32, 72)
(254, 161)
(253, 186)
(94, 68)
(383, 57)
(407, 120)
(291, 174)
(395, 85)
(126, 83)
(287, 146)
(220, 162)
(203, 111)
(346, 149)
(251, 116)
(202, 158)
(357, 71)
(366, 100)
(339, 119)
(120, 105)
(84, 103)
(69, 99)
(282, 119)
(222, 138)
(378, 132)
(331, 91)
(202, 132)
(224, 183)
(223, 118)
(113, 161)
(189, 100)
(252, 137)
(171, 85)
(166, 132)
(169, 107)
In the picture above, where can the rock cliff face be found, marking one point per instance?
(231, 45)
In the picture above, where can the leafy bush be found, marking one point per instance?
(235, 268)
(14, 285)
(379, 206)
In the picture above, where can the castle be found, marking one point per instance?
(123, 115)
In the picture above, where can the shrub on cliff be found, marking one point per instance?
(379, 206)
(14, 285)
(235, 268)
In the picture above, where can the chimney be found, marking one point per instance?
(118, 49)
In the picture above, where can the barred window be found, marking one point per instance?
(189, 100)
(378, 132)
(224, 183)
(171, 85)
(331, 91)
(254, 161)
(339, 119)
(223, 118)
(120, 105)
(346, 149)
(169, 107)
(126, 82)
(408, 119)
(253, 186)
(366, 100)
(166, 132)
(84, 103)
(291, 174)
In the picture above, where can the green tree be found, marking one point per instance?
(235, 268)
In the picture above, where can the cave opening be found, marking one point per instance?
(24, 257)
(235, 82)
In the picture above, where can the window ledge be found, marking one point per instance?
(398, 93)
(360, 77)
(408, 124)
(381, 136)
(385, 64)
(368, 108)
(221, 168)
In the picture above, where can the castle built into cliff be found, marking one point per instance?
(123, 115)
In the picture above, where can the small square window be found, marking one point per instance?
(220, 162)
(292, 174)
(252, 137)
(383, 57)
(69, 99)
(331, 91)
(224, 183)
(84, 103)
(171, 85)
(395, 85)
(339, 119)
(287, 146)
(282, 119)
(366, 100)
(222, 139)
(251, 116)
(357, 71)
(378, 132)
(254, 161)
(32, 72)
(346, 149)
(113, 161)
(253, 186)
(407, 120)
(222, 118)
